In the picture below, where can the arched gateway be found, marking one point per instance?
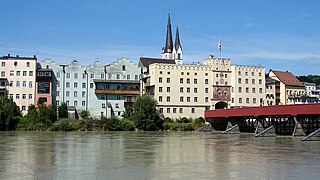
(221, 105)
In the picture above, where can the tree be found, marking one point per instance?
(145, 114)
(84, 114)
(9, 114)
(63, 110)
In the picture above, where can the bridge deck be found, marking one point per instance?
(281, 110)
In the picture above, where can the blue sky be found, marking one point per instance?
(277, 34)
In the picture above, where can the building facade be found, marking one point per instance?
(18, 79)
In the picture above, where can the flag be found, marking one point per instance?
(219, 45)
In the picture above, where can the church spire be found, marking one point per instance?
(177, 42)
(167, 51)
(177, 50)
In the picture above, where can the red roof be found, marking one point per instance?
(287, 78)
(283, 110)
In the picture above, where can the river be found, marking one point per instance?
(155, 155)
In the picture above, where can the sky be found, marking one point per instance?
(276, 34)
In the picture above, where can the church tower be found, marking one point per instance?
(168, 48)
(177, 49)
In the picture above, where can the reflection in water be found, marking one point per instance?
(155, 155)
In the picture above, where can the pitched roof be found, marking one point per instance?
(146, 62)
(169, 43)
(177, 42)
(287, 78)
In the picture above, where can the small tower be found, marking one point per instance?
(167, 50)
(177, 50)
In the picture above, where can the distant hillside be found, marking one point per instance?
(310, 79)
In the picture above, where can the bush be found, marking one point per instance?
(65, 125)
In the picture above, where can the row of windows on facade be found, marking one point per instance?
(75, 85)
(3, 64)
(294, 93)
(253, 81)
(23, 96)
(254, 100)
(92, 76)
(182, 73)
(75, 103)
(195, 81)
(246, 73)
(195, 99)
(195, 90)
(253, 90)
(174, 110)
(22, 83)
(18, 73)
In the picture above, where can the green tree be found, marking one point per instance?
(84, 114)
(145, 114)
(9, 114)
(63, 110)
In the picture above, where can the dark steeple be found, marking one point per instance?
(169, 44)
(177, 44)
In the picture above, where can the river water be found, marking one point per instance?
(155, 155)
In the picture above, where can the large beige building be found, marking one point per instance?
(248, 86)
(18, 75)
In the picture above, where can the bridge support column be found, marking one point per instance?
(269, 132)
(231, 129)
(298, 130)
(312, 136)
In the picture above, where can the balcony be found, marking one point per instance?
(122, 92)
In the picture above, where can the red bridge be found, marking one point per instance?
(283, 118)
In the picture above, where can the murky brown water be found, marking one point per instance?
(155, 155)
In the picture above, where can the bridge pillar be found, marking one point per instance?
(269, 132)
(298, 130)
(231, 129)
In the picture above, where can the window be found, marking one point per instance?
(160, 79)
(239, 80)
(160, 89)
(247, 100)
(168, 110)
(28, 64)
(168, 98)
(188, 90)
(246, 73)
(180, 110)
(168, 80)
(24, 73)
(181, 98)
(30, 84)
(17, 96)
(161, 110)
(174, 110)
(3, 74)
(240, 100)
(83, 85)
(195, 90)
(195, 81)
(252, 73)
(260, 81)
(232, 100)
(240, 90)
(24, 83)
(182, 73)
(260, 90)
(206, 81)
(259, 73)
(30, 73)
(23, 108)
(239, 72)
(168, 73)
(128, 77)
(83, 103)
(58, 75)
(57, 102)
(75, 75)
(75, 85)
(91, 76)
(206, 99)
(68, 75)
(247, 81)
(136, 77)
(67, 102)
(24, 96)
(91, 85)
(206, 90)
(225, 75)
(123, 68)
(30, 96)
(118, 97)
(188, 99)
(11, 72)
(83, 75)
(247, 90)
(75, 93)
(181, 89)
(160, 98)
(58, 93)
(181, 80)
(253, 90)
(11, 96)
(253, 81)
(3, 64)
(254, 100)
(193, 110)
(188, 81)
(195, 99)
(160, 72)
(18, 84)
(168, 89)
(67, 93)
(83, 94)
(67, 84)
(217, 75)
(75, 103)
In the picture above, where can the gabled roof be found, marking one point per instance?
(146, 62)
(287, 78)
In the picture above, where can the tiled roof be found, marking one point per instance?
(287, 78)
